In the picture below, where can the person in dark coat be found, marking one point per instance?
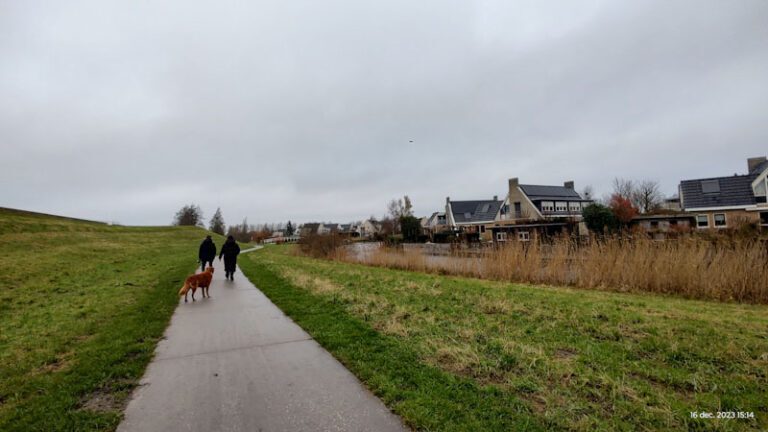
(207, 252)
(229, 251)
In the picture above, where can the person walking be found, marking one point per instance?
(207, 252)
(230, 251)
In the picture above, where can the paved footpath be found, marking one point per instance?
(235, 362)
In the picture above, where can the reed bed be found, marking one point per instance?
(691, 267)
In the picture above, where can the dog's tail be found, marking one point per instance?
(184, 289)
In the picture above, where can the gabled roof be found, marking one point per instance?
(475, 211)
(730, 191)
(542, 192)
(759, 169)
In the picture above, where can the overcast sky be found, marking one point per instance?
(305, 110)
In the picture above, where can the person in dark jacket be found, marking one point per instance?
(229, 251)
(207, 252)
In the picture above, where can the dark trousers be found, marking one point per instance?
(230, 264)
(209, 261)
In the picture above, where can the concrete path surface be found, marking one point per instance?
(235, 362)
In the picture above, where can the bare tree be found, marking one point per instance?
(624, 188)
(408, 207)
(398, 208)
(647, 196)
(588, 192)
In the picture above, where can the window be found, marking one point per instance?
(710, 186)
(719, 220)
(574, 206)
(482, 228)
(523, 236)
(485, 208)
(547, 206)
(561, 206)
(702, 221)
(764, 218)
(467, 215)
(518, 210)
(501, 236)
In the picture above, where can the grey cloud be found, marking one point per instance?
(305, 110)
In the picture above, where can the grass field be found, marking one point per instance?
(449, 353)
(82, 307)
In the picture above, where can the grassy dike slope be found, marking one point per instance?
(451, 353)
(82, 306)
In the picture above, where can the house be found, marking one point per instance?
(472, 217)
(661, 226)
(328, 228)
(309, 229)
(722, 202)
(539, 210)
(671, 204)
(436, 223)
(369, 228)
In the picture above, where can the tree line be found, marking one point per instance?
(192, 215)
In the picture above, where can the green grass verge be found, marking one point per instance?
(82, 307)
(450, 353)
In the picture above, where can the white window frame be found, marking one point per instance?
(714, 220)
(564, 206)
(501, 236)
(523, 236)
(548, 206)
(573, 206)
(698, 225)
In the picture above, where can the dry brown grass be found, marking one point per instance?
(691, 267)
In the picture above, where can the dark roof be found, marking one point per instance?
(663, 216)
(541, 192)
(310, 228)
(729, 191)
(759, 169)
(475, 211)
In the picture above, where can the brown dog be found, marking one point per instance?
(201, 280)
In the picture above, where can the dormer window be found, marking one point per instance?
(710, 186)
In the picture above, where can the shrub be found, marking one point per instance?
(599, 219)
(321, 246)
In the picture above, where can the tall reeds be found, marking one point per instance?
(691, 267)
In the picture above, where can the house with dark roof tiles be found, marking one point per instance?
(471, 217)
(722, 202)
(542, 202)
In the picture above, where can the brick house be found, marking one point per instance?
(723, 202)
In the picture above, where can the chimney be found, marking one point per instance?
(569, 184)
(753, 162)
(495, 197)
(447, 200)
(513, 182)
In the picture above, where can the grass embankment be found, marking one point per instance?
(450, 353)
(82, 307)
